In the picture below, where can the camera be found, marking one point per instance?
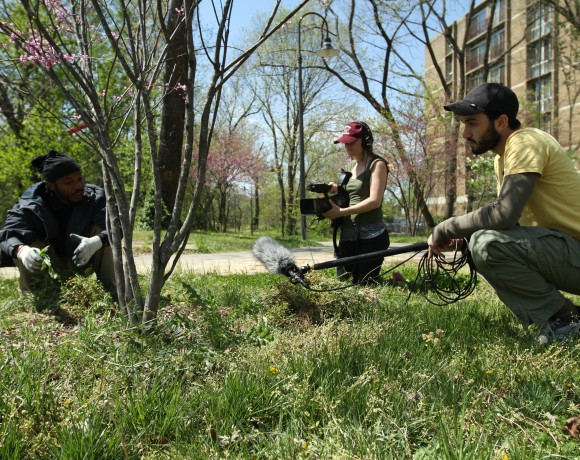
(318, 206)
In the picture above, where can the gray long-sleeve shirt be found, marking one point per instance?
(502, 214)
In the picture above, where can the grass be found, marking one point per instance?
(202, 242)
(251, 366)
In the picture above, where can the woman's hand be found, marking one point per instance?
(334, 212)
(333, 188)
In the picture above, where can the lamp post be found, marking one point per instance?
(325, 51)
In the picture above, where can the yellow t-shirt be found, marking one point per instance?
(555, 201)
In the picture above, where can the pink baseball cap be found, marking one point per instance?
(351, 133)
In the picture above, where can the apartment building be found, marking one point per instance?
(525, 45)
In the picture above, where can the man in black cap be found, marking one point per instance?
(526, 243)
(64, 213)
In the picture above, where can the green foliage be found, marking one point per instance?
(47, 263)
(146, 214)
(481, 181)
(251, 366)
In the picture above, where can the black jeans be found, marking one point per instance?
(365, 271)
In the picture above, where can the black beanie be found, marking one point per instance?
(55, 165)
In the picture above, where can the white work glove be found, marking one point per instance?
(86, 248)
(30, 258)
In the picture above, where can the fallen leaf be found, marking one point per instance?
(573, 427)
(398, 278)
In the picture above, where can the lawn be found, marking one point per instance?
(251, 366)
(211, 242)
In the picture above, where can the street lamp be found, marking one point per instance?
(326, 51)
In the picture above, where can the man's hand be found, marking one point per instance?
(437, 250)
(86, 248)
(30, 258)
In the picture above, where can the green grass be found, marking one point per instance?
(251, 366)
(202, 242)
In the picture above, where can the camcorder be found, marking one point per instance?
(318, 206)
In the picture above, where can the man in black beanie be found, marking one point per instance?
(64, 213)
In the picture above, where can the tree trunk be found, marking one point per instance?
(173, 107)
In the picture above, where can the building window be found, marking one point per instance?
(500, 13)
(497, 44)
(473, 80)
(542, 94)
(540, 57)
(449, 68)
(540, 21)
(475, 56)
(478, 24)
(497, 73)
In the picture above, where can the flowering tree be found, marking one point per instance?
(233, 159)
(107, 59)
(412, 172)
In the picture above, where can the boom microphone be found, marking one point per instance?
(277, 259)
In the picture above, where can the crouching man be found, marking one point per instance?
(64, 213)
(526, 243)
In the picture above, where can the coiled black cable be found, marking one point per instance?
(444, 281)
(439, 280)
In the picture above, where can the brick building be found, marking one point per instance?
(525, 45)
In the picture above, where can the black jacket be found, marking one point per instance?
(31, 219)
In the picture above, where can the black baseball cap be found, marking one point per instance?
(489, 97)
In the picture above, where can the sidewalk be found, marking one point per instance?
(233, 262)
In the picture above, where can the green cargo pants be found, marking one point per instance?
(528, 267)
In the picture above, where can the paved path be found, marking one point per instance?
(231, 262)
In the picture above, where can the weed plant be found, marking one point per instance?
(251, 366)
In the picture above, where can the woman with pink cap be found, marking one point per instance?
(363, 229)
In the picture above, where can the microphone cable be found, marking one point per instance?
(350, 285)
(441, 282)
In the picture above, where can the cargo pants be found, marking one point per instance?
(528, 267)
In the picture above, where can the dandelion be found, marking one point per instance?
(433, 337)
(489, 372)
(274, 370)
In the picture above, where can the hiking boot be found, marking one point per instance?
(558, 330)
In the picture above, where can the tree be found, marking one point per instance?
(232, 160)
(371, 66)
(274, 84)
(433, 21)
(568, 9)
(66, 40)
(568, 55)
(422, 151)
